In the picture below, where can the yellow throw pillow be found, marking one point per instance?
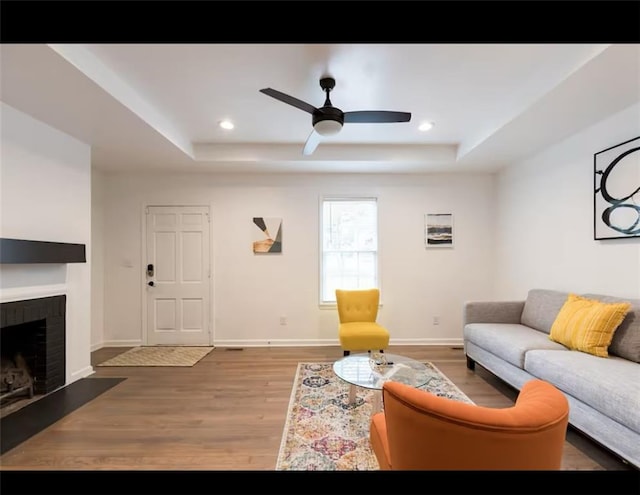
(588, 325)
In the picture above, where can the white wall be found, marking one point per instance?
(251, 292)
(45, 189)
(97, 260)
(545, 220)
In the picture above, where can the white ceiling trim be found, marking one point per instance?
(135, 116)
(608, 83)
(526, 106)
(243, 152)
(87, 63)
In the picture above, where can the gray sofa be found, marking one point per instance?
(511, 340)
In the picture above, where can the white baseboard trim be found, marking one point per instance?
(83, 373)
(275, 343)
(440, 342)
(450, 342)
(95, 347)
(120, 343)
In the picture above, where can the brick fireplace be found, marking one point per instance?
(36, 329)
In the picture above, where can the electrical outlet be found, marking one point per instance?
(436, 320)
(283, 320)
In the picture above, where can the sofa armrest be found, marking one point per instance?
(492, 312)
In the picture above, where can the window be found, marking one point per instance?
(349, 245)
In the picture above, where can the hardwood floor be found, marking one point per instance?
(225, 413)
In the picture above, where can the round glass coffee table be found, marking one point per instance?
(371, 370)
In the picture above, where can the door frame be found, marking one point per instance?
(143, 257)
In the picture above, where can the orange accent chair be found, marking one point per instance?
(419, 430)
(358, 330)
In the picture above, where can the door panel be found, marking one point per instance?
(192, 314)
(178, 305)
(192, 270)
(165, 256)
(165, 314)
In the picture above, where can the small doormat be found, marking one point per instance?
(159, 356)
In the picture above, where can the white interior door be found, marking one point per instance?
(177, 277)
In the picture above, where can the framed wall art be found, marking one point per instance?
(616, 200)
(438, 230)
(267, 235)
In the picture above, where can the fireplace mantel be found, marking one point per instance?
(27, 251)
(13, 294)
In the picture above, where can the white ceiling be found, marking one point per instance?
(157, 106)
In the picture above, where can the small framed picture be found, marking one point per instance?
(438, 230)
(267, 235)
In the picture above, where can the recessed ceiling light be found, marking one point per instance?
(425, 126)
(226, 124)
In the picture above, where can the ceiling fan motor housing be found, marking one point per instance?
(328, 121)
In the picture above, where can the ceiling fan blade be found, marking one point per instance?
(312, 143)
(375, 117)
(289, 100)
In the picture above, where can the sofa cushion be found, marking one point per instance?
(626, 339)
(541, 308)
(509, 341)
(588, 325)
(609, 385)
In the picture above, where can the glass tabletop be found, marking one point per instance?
(362, 370)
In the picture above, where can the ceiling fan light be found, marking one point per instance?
(327, 127)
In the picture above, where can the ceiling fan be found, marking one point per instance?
(328, 120)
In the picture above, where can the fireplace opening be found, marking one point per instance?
(32, 350)
(18, 358)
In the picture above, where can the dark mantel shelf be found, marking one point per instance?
(25, 251)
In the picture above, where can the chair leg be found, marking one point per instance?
(346, 353)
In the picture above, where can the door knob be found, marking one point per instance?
(151, 284)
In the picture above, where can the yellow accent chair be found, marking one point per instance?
(419, 430)
(358, 330)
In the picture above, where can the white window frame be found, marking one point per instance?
(344, 197)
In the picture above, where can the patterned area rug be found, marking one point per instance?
(159, 356)
(324, 433)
